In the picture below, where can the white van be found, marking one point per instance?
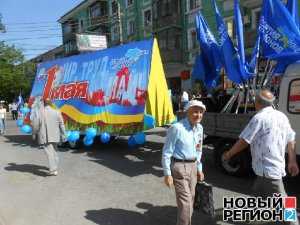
(289, 99)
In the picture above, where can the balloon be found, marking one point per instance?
(20, 122)
(140, 138)
(131, 142)
(149, 121)
(74, 136)
(26, 129)
(91, 132)
(68, 133)
(25, 110)
(105, 137)
(88, 141)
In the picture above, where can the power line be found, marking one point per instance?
(21, 39)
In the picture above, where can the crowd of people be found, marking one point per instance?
(268, 133)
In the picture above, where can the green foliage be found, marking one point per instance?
(15, 74)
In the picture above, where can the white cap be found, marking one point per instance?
(193, 103)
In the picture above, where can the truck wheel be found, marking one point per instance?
(239, 165)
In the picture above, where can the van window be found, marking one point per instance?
(294, 97)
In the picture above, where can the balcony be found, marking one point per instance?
(98, 21)
(67, 37)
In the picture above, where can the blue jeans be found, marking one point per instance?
(2, 128)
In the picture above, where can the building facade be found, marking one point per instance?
(89, 17)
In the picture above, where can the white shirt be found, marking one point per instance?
(2, 113)
(14, 106)
(268, 134)
(185, 97)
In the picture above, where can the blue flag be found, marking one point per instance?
(280, 37)
(254, 57)
(20, 100)
(292, 6)
(231, 57)
(208, 64)
(239, 33)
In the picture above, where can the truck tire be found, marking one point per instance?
(239, 165)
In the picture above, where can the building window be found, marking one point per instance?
(194, 4)
(115, 32)
(129, 3)
(114, 7)
(294, 97)
(255, 16)
(147, 18)
(81, 26)
(95, 11)
(66, 28)
(131, 27)
(166, 9)
(192, 39)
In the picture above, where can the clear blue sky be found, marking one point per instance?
(31, 25)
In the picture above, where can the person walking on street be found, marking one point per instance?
(181, 159)
(50, 130)
(184, 99)
(2, 118)
(14, 110)
(268, 133)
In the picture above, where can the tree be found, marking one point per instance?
(16, 75)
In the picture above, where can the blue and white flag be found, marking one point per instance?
(20, 101)
(292, 6)
(230, 56)
(239, 33)
(208, 64)
(280, 37)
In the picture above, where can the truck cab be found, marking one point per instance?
(289, 99)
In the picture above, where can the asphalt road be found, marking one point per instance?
(103, 184)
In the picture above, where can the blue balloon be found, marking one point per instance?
(73, 136)
(91, 132)
(26, 110)
(88, 141)
(105, 137)
(20, 122)
(68, 133)
(140, 138)
(131, 142)
(26, 129)
(149, 121)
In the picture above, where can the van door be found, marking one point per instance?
(289, 103)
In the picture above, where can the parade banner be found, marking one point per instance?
(107, 89)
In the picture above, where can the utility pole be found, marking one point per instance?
(120, 22)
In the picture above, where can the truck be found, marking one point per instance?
(118, 91)
(222, 129)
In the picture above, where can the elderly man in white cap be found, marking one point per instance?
(181, 159)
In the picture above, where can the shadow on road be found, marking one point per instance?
(41, 171)
(129, 161)
(164, 215)
(20, 140)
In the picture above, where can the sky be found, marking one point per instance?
(31, 25)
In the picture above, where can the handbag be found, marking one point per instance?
(204, 198)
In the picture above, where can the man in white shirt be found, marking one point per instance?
(2, 118)
(268, 133)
